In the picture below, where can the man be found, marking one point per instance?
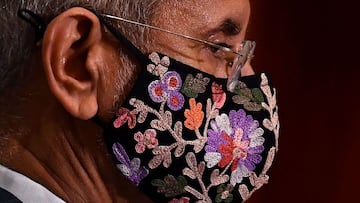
(77, 70)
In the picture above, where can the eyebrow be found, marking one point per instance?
(228, 26)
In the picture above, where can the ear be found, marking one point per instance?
(71, 60)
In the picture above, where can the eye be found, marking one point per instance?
(214, 49)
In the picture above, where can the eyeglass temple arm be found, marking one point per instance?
(123, 39)
(170, 32)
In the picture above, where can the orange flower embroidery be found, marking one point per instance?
(194, 116)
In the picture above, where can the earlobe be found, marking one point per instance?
(68, 42)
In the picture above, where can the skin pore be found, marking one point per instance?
(49, 137)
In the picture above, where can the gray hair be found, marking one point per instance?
(17, 37)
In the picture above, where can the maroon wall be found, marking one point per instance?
(312, 51)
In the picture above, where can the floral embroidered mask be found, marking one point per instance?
(182, 137)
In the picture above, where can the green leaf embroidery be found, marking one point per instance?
(193, 86)
(252, 106)
(170, 186)
(258, 96)
(224, 194)
(238, 99)
(250, 98)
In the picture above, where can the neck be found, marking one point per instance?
(64, 154)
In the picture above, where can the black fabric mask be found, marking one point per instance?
(181, 137)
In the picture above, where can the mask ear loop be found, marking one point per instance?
(35, 21)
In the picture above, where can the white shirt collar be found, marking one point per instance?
(24, 188)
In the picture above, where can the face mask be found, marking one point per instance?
(181, 137)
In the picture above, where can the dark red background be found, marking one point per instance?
(311, 49)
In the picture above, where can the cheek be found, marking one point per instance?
(117, 79)
(108, 93)
(124, 82)
(211, 65)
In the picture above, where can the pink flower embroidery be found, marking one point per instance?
(181, 200)
(218, 95)
(124, 115)
(146, 140)
(234, 150)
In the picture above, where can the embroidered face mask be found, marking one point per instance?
(181, 136)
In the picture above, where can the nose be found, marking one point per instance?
(246, 70)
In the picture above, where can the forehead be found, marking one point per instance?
(202, 14)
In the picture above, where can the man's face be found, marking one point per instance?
(220, 21)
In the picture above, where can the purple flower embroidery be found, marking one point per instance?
(235, 140)
(167, 89)
(131, 169)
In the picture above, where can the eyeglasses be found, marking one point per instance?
(244, 55)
